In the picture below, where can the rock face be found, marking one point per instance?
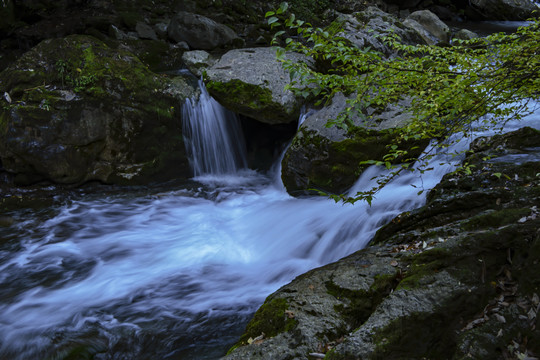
(81, 111)
(435, 27)
(252, 82)
(200, 32)
(197, 61)
(362, 29)
(502, 9)
(328, 159)
(457, 278)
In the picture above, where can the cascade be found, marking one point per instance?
(213, 136)
(177, 274)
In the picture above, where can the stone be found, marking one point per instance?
(422, 32)
(116, 33)
(145, 31)
(432, 24)
(502, 9)
(362, 29)
(197, 61)
(200, 32)
(82, 111)
(161, 30)
(327, 158)
(251, 82)
(464, 34)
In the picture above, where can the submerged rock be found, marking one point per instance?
(82, 111)
(457, 278)
(252, 82)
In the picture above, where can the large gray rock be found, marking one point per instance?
(502, 9)
(327, 158)
(252, 82)
(432, 24)
(81, 111)
(364, 29)
(200, 32)
(455, 279)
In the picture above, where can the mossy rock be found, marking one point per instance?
(313, 161)
(248, 99)
(251, 82)
(270, 320)
(82, 111)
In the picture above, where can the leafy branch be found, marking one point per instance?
(450, 89)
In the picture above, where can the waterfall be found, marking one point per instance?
(177, 273)
(213, 136)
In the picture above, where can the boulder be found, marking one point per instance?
(363, 28)
(421, 31)
(464, 34)
(432, 24)
(200, 32)
(252, 82)
(197, 61)
(145, 31)
(81, 111)
(454, 279)
(501, 9)
(327, 158)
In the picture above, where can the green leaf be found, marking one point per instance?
(272, 20)
(282, 8)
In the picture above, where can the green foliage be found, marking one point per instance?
(451, 89)
(75, 77)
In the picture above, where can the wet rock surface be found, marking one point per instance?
(252, 82)
(91, 114)
(327, 158)
(457, 278)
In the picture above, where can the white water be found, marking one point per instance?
(176, 274)
(208, 129)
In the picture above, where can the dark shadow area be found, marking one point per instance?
(265, 142)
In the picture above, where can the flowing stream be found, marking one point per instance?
(176, 274)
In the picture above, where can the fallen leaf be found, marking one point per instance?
(394, 263)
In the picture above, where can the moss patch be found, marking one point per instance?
(358, 305)
(495, 218)
(270, 319)
(314, 162)
(250, 100)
